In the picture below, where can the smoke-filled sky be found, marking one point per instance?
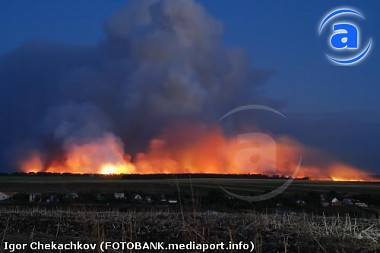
(75, 71)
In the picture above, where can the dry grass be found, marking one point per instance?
(270, 232)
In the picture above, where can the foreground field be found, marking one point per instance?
(269, 232)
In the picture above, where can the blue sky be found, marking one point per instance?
(277, 35)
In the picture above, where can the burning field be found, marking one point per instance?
(127, 139)
(147, 100)
(187, 148)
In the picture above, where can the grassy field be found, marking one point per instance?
(201, 185)
(287, 228)
(269, 232)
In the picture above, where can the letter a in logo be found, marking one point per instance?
(345, 36)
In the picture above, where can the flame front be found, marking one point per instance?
(188, 149)
(32, 163)
(102, 156)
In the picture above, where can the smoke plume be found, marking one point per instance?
(115, 107)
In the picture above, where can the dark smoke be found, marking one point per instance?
(161, 61)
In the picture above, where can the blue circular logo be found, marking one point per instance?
(345, 38)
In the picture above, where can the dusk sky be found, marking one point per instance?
(278, 35)
(336, 108)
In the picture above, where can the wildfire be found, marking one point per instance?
(201, 150)
(101, 156)
(341, 172)
(32, 163)
(111, 169)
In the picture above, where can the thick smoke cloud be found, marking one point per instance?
(161, 60)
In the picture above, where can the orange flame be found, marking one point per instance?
(102, 156)
(191, 149)
(32, 163)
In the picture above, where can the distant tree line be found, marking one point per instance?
(153, 176)
(206, 175)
